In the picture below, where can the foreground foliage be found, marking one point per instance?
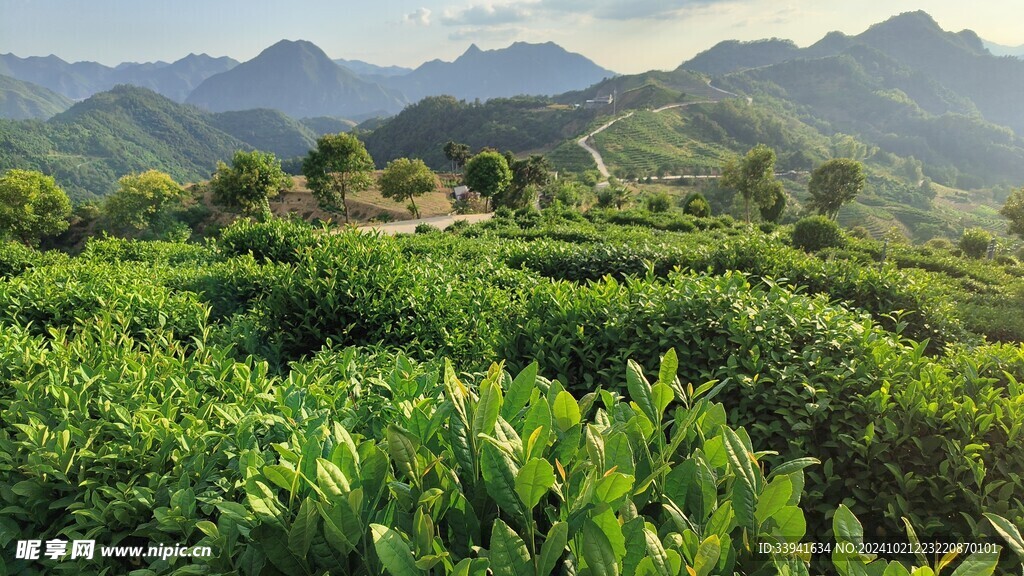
(306, 402)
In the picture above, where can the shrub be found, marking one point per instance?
(974, 242)
(504, 212)
(359, 289)
(1006, 260)
(660, 202)
(15, 258)
(859, 232)
(425, 228)
(275, 240)
(115, 250)
(697, 205)
(457, 226)
(816, 232)
(939, 244)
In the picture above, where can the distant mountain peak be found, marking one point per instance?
(521, 68)
(298, 78)
(918, 20)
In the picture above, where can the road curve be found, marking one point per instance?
(409, 226)
(582, 142)
(601, 167)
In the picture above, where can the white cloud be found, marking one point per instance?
(421, 17)
(488, 14)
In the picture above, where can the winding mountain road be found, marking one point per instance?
(584, 142)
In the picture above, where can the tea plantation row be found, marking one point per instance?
(308, 403)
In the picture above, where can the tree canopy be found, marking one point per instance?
(753, 176)
(405, 179)
(456, 153)
(32, 206)
(251, 180)
(488, 173)
(338, 165)
(142, 202)
(835, 183)
(1014, 210)
(528, 175)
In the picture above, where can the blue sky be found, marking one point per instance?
(625, 36)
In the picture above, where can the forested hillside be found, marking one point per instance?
(128, 129)
(23, 100)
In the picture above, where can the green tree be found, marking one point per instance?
(835, 183)
(31, 206)
(1014, 210)
(143, 203)
(404, 179)
(772, 212)
(251, 180)
(753, 177)
(340, 164)
(456, 153)
(528, 175)
(488, 174)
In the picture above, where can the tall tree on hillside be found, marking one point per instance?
(457, 154)
(251, 180)
(488, 174)
(835, 183)
(340, 164)
(405, 179)
(753, 176)
(1014, 210)
(143, 203)
(31, 206)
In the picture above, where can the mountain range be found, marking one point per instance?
(521, 69)
(79, 80)
(917, 104)
(1000, 50)
(298, 78)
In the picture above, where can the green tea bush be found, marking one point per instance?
(114, 250)
(230, 287)
(15, 258)
(76, 296)
(425, 228)
(859, 232)
(324, 472)
(274, 240)
(928, 312)
(806, 374)
(939, 244)
(359, 289)
(816, 232)
(635, 217)
(974, 242)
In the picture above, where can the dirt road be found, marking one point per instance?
(409, 226)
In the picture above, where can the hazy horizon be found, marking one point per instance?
(626, 37)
